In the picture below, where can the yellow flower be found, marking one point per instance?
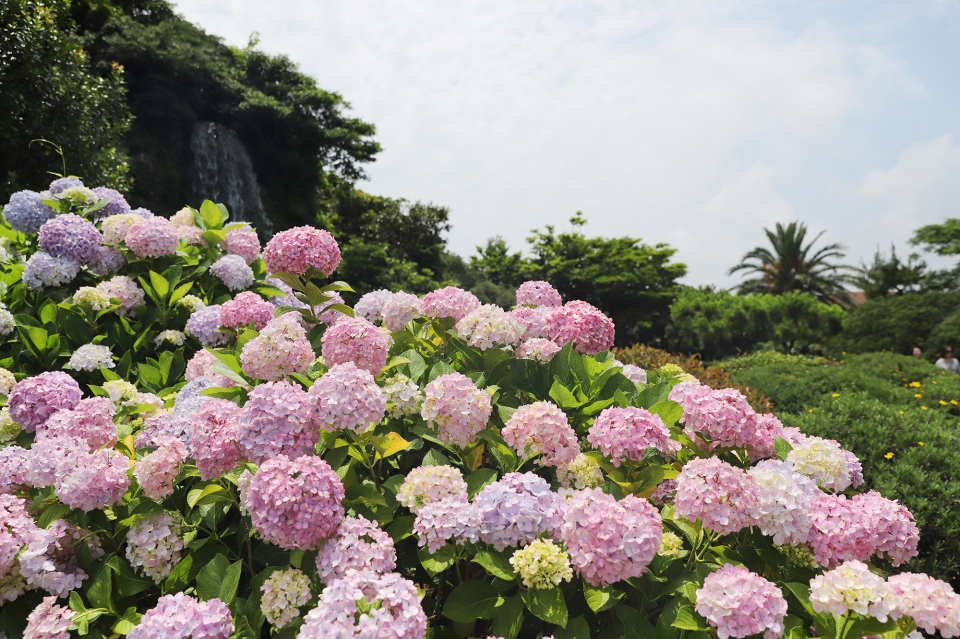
(810, 411)
(918, 395)
(888, 456)
(843, 352)
(954, 402)
(943, 403)
(836, 395)
(914, 384)
(901, 412)
(924, 408)
(919, 443)
(933, 381)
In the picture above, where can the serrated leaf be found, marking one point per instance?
(547, 604)
(435, 563)
(782, 448)
(435, 458)
(470, 601)
(495, 564)
(210, 578)
(669, 411)
(230, 583)
(600, 599)
(688, 619)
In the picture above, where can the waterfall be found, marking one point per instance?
(222, 172)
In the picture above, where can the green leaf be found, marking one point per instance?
(401, 528)
(180, 291)
(577, 628)
(600, 599)
(435, 458)
(508, 619)
(231, 581)
(437, 562)
(635, 625)
(480, 478)
(100, 589)
(473, 600)
(869, 626)
(211, 577)
(782, 448)
(670, 412)
(495, 564)
(179, 578)
(159, 284)
(688, 619)
(205, 493)
(51, 514)
(211, 215)
(547, 604)
(563, 397)
(801, 593)
(127, 622)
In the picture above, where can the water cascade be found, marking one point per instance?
(222, 172)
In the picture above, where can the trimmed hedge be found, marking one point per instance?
(900, 323)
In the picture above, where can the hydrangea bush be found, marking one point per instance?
(200, 442)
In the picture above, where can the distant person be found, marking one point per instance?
(917, 352)
(947, 362)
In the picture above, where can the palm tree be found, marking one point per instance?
(793, 266)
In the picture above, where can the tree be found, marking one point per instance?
(890, 276)
(794, 266)
(941, 239)
(50, 92)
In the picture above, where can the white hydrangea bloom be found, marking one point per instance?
(403, 396)
(284, 592)
(7, 381)
(154, 545)
(97, 299)
(490, 326)
(822, 461)
(583, 472)
(174, 337)
(91, 357)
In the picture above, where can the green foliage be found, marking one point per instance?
(890, 276)
(899, 323)
(942, 239)
(717, 324)
(632, 282)
(50, 92)
(794, 266)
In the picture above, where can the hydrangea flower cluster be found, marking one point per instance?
(26, 212)
(284, 592)
(542, 429)
(91, 357)
(202, 365)
(191, 399)
(358, 545)
(452, 518)
(367, 605)
(93, 297)
(740, 603)
(851, 586)
(216, 428)
(370, 305)
(126, 291)
(404, 397)
(584, 325)
(172, 336)
(823, 461)
(7, 381)
(115, 228)
(785, 498)
(722, 496)
(246, 308)
(7, 321)
(356, 340)
(538, 293)
(542, 564)
(280, 349)
(297, 249)
(49, 621)
(234, 272)
(627, 433)
(72, 237)
(457, 408)
(204, 324)
(489, 326)
(449, 301)
(893, 531)
(156, 471)
(537, 349)
(722, 416)
(610, 540)
(116, 203)
(44, 270)
(295, 503)
(191, 302)
(153, 237)
(49, 562)
(837, 532)
(671, 545)
(78, 196)
(515, 509)
(154, 545)
(180, 616)
(427, 484)
(399, 310)
(92, 481)
(931, 603)
(634, 373)
(532, 320)
(242, 242)
(91, 421)
(34, 399)
(346, 397)
(583, 472)
(275, 421)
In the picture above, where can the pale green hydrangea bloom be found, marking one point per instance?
(542, 564)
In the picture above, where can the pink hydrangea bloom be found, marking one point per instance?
(153, 237)
(180, 616)
(295, 503)
(785, 501)
(610, 540)
(356, 340)
(634, 373)
(49, 562)
(367, 605)
(216, 428)
(233, 272)
(90, 420)
(281, 348)
(739, 603)
(515, 509)
(537, 349)
(275, 421)
(456, 408)
(154, 545)
(358, 545)
(346, 397)
(538, 293)
(164, 424)
(399, 310)
(449, 301)
(297, 249)
(437, 522)
(34, 399)
(49, 621)
(246, 308)
(627, 433)
(191, 235)
(766, 429)
(838, 532)
(13, 469)
(156, 471)
(894, 533)
(583, 324)
(721, 416)
(542, 429)
(242, 242)
(96, 480)
(722, 496)
(201, 365)
(851, 586)
(370, 305)
(533, 321)
(427, 484)
(50, 457)
(126, 291)
(115, 227)
(931, 603)
(489, 326)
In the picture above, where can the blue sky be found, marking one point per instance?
(691, 122)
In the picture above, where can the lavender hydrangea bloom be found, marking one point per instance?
(49, 621)
(358, 545)
(62, 184)
(44, 270)
(516, 509)
(233, 271)
(26, 212)
(108, 260)
(117, 203)
(190, 399)
(142, 212)
(204, 324)
(33, 400)
(71, 236)
(180, 616)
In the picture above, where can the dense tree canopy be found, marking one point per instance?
(890, 276)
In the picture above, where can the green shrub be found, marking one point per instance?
(923, 477)
(896, 323)
(764, 358)
(946, 332)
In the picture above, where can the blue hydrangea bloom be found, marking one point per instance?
(64, 183)
(118, 203)
(26, 212)
(43, 269)
(71, 236)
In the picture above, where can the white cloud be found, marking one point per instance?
(682, 122)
